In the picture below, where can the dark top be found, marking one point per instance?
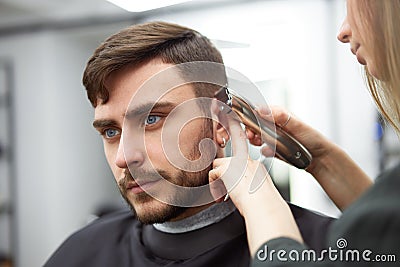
(120, 240)
(367, 234)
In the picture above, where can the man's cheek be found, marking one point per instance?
(155, 152)
(187, 138)
(110, 157)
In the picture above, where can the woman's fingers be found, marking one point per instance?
(238, 137)
(217, 186)
(267, 151)
(283, 118)
(254, 139)
(227, 172)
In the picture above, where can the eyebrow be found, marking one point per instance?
(147, 108)
(139, 110)
(104, 123)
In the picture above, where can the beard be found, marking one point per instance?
(166, 212)
(159, 210)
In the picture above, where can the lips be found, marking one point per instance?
(354, 49)
(141, 186)
(360, 59)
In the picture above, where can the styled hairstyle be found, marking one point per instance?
(138, 44)
(382, 17)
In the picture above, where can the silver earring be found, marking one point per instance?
(226, 197)
(223, 142)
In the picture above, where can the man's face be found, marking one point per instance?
(135, 141)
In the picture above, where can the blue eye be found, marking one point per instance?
(110, 133)
(152, 119)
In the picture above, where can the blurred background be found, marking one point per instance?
(53, 175)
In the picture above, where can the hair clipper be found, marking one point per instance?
(287, 147)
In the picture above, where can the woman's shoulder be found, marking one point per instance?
(381, 201)
(373, 221)
(383, 196)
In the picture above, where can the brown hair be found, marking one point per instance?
(141, 43)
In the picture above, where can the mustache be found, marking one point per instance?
(140, 177)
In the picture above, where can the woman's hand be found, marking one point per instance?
(341, 178)
(251, 189)
(315, 142)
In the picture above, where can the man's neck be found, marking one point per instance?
(199, 217)
(190, 212)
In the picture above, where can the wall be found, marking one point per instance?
(61, 174)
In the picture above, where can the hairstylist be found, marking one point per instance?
(370, 223)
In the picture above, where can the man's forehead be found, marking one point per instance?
(143, 103)
(154, 72)
(172, 97)
(150, 80)
(141, 84)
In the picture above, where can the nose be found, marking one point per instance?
(128, 155)
(344, 34)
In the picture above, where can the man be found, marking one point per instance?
(141, 121)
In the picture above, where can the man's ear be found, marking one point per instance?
(221, 135)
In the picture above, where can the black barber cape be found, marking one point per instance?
(119, 240)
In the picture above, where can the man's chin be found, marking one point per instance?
(152, 211)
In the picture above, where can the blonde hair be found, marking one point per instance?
(382, 17)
